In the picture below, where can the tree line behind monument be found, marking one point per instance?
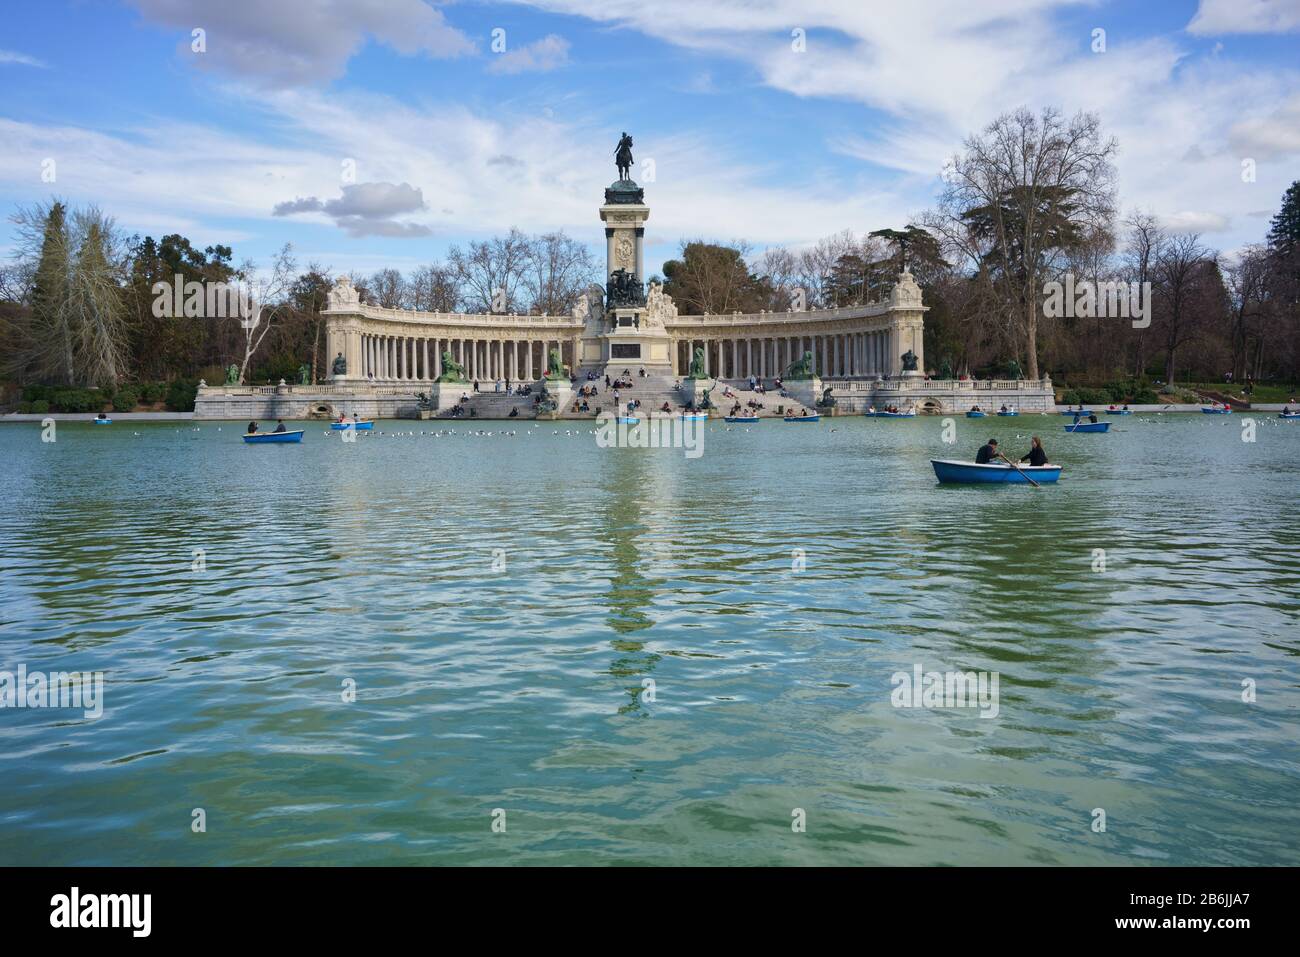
(1027, 201)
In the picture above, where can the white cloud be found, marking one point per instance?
(937, 70)
(295, 42)
(366, 209)
(21, 59)
(1190, 221)
(1275, 135)
(1217, 17)
(541, 56)
(940, 70)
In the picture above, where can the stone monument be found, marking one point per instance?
(633, 330)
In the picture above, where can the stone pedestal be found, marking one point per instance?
(635, 343)
(805, 392)
(448, 394)
(559, 391)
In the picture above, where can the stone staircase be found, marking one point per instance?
(493, 405)
(771, 400)
(652, 391)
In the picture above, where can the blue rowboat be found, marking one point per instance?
(1088, 427)
(890, 415)
(802, 418)
(256, 438)
(968, 473)
(974, 415)
(628, 420)
(357, 426)
(1119, 411)
(740, 418)
(1071, 412)
(1213, 411)
(102, 421)
(1288, 415)
(1008, 413)
(693, 418)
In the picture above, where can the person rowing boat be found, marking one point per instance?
(987, 452)
(1036, 456)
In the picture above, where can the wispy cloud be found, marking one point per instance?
(540, 56)
(21, 59)
(1218, 17)
(302, 42)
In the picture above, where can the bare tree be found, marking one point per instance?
(266, 293)
(491, 273)
(1142, 249)
(1179, 273)
(1025, 190)
(557, 271)
(434, 288)
(817, 263)
(1248, 288)
(388, 289)
(16, 281)
(97, 311)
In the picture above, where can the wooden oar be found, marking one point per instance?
(1018, 469)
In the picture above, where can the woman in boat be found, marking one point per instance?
(252, 428)
(1036, 456)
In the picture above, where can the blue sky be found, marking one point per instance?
(751, 137)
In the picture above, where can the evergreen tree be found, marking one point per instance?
(51, 343)
(1284, 231)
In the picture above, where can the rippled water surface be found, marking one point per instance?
(501, 600)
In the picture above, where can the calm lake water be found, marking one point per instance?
(522, 687)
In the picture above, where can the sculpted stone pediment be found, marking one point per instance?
(906, 292)
(343, 295)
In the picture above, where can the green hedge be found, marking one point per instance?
(1134, 391)
(126, 400)
(76, 400)
(181, 393)
(39, 407)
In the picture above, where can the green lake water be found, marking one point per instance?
(501, 600)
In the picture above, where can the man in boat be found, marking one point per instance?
(1036, 456)
(252, 428)
(279, 425)
(987, 452)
